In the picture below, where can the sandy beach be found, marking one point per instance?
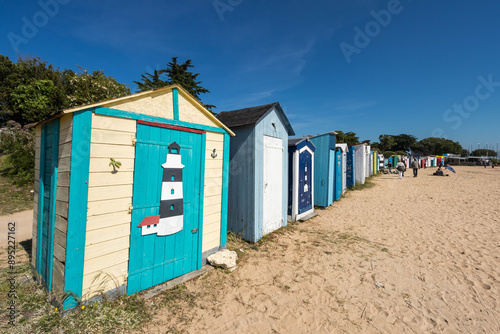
(411, 255)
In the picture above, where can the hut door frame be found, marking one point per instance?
(273, 184)
(305, 156)
(156, 259)
(47, 187)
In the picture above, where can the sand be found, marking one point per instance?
(411, 255)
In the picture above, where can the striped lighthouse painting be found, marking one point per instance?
(170, 219)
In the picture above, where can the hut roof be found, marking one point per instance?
(252, 115)
(143, 94)
(297, 141)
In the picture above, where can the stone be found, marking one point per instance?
(223, 259)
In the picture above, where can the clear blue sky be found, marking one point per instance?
(406, 71)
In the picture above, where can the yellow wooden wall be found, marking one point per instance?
(213, 191)
(110, 195)
(158, 104)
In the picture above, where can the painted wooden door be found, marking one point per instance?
(338, 174)
(331, 177)
(305, 181)
(273, 184)
(155, 259)
(47, 200)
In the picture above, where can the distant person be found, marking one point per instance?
(439, 172)
(414, 165)
(400, 166)
(389, 165)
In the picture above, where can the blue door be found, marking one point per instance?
(305, 182)
(350, 178)
(338, 174)
(154, 258)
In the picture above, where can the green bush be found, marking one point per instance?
(18, 144)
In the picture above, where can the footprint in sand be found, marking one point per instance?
(485, 286)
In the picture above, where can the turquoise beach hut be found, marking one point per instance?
(324, 168)
(128, 194)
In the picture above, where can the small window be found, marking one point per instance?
(148, 226)
(172, 207)
(172, 178)
(155, 225)
(172, 191)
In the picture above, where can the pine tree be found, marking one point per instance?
(151, 81)
(176, 74)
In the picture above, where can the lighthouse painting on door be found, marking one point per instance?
(170, 219)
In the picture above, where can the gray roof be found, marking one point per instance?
(250, 116)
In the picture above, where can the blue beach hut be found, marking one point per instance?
(324, 168)
(258, 169)
(300, 178)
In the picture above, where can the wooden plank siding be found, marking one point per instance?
(212, 201)
(62, 200)
(38, 141)
(109, 198)
(188, 112)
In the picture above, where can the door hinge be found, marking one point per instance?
(134, 141)
(130, 208)
(194, 230)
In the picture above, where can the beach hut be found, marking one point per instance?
(324, 168)
(342, 166)
(300, 178)
(258, 178)
(350, 165)
(367, 161)
(129, 193)
(360, 166)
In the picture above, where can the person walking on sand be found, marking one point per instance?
(400, 166)
(414, 165)
(389, 165)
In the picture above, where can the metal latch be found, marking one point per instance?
(194, 230)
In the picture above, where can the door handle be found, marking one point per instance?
(194, 230)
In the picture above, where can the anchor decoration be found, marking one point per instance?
(170, 219)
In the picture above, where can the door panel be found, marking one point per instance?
(47, 199)
(273, 181)
(338, 174)
(155, 259)
(305, 182)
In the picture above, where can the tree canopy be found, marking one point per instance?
(348, 138)
(175, 73)
(438, 146)
(484, 153)
(32, 89)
